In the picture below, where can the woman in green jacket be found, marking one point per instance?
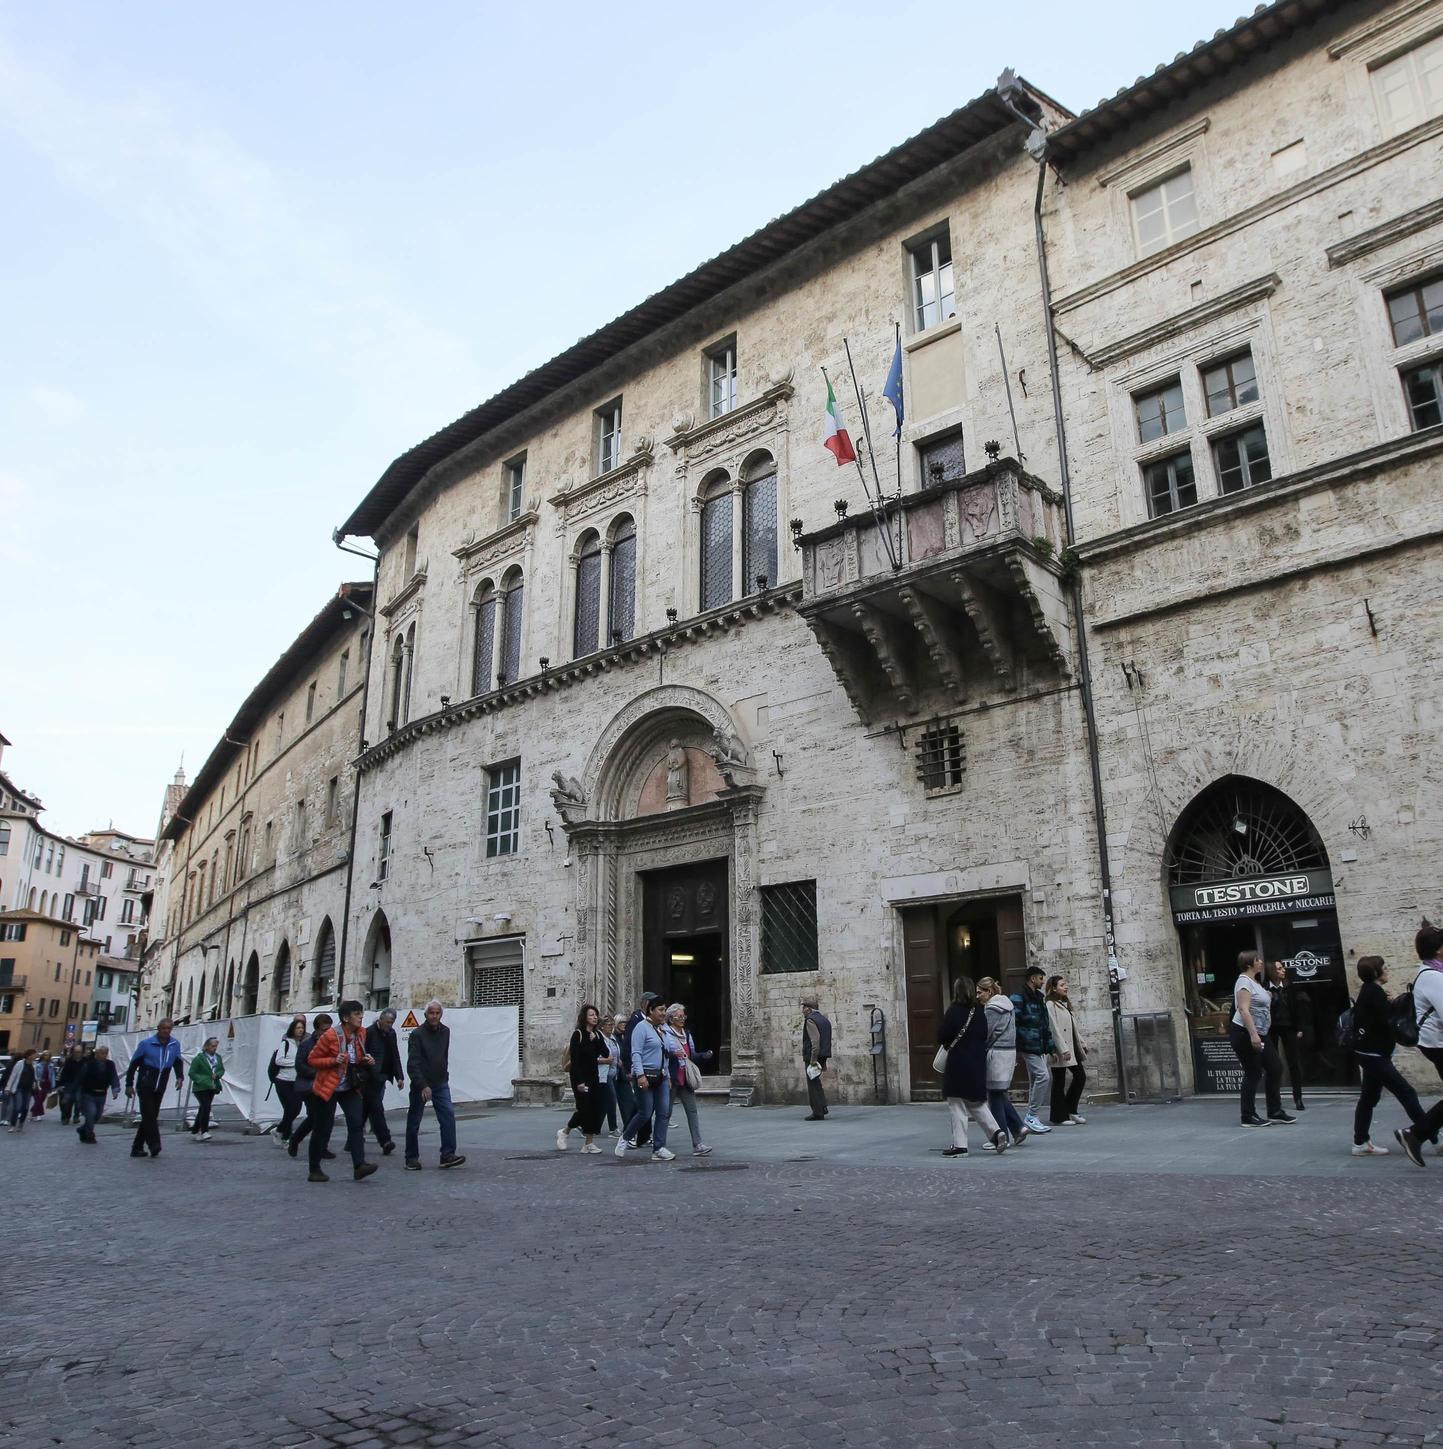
(207, 1068)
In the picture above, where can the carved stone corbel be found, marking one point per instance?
(939, 634)
(989, 619)
(888, 643)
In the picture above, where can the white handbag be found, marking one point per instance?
(939, 1062)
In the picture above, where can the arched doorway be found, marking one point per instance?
(377, 962)
(1248, 871)
(324, 984)
(228, 1000)
(200, 995)
(251, 989)
(281, 978)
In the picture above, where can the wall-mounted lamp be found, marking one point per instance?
(841, 506)
(445, 701)
(671, 616)
(993, 449)
(544, 662)
(761, 583)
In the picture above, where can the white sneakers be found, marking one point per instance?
(662, 1155)
(590, 1147)
(621, 1146)
(205, 1136)
(1034, 1124)
(1367, 1149)
(561, 1139)
(1077, 1121)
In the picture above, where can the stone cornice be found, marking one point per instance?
(646, 647)
(390, 609)
(498, 543)
(1385, 234)
(711, 817)
(617, 483)
(688, 436)
(1184, 321)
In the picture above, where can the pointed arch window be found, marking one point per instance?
(759, 523)
(483, 649)
(281, 981)
(513, 599)
(716, 543)
(588, 596)
(325, 981)
(410, 666)
(621, 590)
(398, 681)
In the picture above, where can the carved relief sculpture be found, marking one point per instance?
(730, 755)
(568, 797)
(677, 770)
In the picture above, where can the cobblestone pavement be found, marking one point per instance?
(531, 1298)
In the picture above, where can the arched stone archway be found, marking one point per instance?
(251, 988)
(668, 786)
(376, 962)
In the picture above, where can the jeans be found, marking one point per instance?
(91, 1107)
(19, 1109)
(687, 1097)
(1039, 1084)
(653, 1105)
(202, 1115)
(373, 1099)
(1000, 1105)
(323, 1119)
(445, 1119)
(291, 1103)
(69, 1103)
(1066, 1096)
(1258, 1065)
(625, 1099)
(817, 1095)
(959, 1112)
(1379, 1072)
(147, 1135)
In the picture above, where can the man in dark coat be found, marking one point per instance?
(816, 1053)
(428, 1057)
(1035, 1045)
(382, 1044)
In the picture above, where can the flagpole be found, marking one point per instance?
(878, 516)
(866, 487)
(879, 507)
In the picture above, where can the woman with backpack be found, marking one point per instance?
(1425, 1030)
(586, 1050)
(1373, 1044)
(283, 1074)
(207, 1068)
(962, 1060)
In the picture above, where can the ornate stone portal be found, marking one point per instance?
(669, 783)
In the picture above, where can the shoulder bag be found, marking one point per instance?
(939, 1062)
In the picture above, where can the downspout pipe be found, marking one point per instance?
(1037, 149)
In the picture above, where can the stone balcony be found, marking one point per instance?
(977, 609)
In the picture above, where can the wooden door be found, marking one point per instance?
(1011, 943)
(922, 958)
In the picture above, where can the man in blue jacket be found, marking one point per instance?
(147, 1077)
(1035, 1045)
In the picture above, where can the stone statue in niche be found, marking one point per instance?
(677, 771)
(567, 796)
(730, 755)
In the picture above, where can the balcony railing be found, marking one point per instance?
(15, 983)
(87, 887)
(964, 599)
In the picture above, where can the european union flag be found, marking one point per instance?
(893, 389)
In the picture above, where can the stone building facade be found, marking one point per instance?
(662, 697)
(249, 912)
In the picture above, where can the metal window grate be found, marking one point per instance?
(716, 551)
(485, 646)
(511, 631)
(498, 978)
(941, 757)
(1238, 828)
(789, 926)
(944, 460)
(622, 611)
(759, 532)
(588, 599)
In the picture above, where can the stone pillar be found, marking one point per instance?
(746, 944)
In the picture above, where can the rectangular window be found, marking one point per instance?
(941, 757)
(342, 669)
(50, 860)
(300, 835)
(1416, 311)
(68, 912)
(1159, 412)
(503, 808)
(789, 927)
(127, 913)
(933, 297)
(1409, 88)
(65, 938)
(310, 702)
(4, 837)
(1241, 459)
(1230, 384)
(722, 379)
(1170, 484)
(270, 853)
(514, 481)
(13, 931)
(100, 902)
(118, 1013)
(1165, 212)
(413, 542)
(608, 437)
(943, 460)
(333, 795)
(7, 1006)
(1423, 387)
(383, 849)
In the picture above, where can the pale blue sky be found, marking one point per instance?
(253, 252)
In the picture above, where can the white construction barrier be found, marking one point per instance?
(485, 1055)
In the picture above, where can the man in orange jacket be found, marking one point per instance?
(339, 1060)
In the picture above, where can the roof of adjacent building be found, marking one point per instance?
(237, 734)
(6, 783)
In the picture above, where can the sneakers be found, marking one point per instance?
(1281, 1117)
(590, 1147)
(1298, 1107)
(561, 1139)
(662, 1155)
(621, 1146)
(1061, 1122)
(279, 1140)
(1077, 1121)
(413, 1164)
(1367, 1149)
(318, 1176)
(205, 1137)
(361, 1173)
(1256, 1121)
(988, 1147)
(954, 1152)
(1411, 1144)
(455, 1160)
(702, 1151)
(1035, 1124)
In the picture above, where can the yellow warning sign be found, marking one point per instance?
(410, 1023)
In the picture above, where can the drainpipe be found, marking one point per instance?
(356, 793)
(1037, 149)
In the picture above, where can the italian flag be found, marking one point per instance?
(835, 439)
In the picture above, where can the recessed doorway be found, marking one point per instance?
(685, 952)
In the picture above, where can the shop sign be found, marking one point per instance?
(1306, 964)
(1216, 1065)
(1265, 895)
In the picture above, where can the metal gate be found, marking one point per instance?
(498, 978)
(1150, 1057)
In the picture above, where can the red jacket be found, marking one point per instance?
(328, 1060)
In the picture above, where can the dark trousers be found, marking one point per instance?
(202, 1113)
(1432, 1123)
(91, 1107)
(1258, 1066)
(307, 1124)
(587, 1115)
(1066, 1095)
(291, 1104)
(1000, 1105)
(322, 1117)
(625, 1099)
(373, 1099)
(606, 1105)
(1379, 1072)
(69, 1104)
(147, 1135)
(1287, 1044)
(817, 1095)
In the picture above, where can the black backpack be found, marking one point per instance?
(1346, 1031)
(1403, 1017)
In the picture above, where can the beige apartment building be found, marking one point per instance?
(249, 910)
(47, 975)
